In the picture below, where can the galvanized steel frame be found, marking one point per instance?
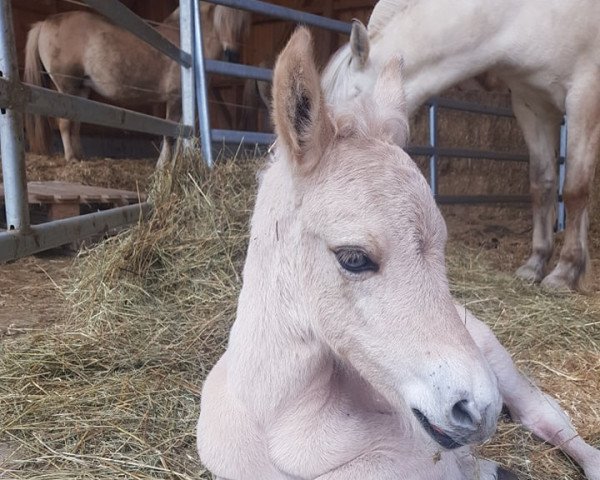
(433, 150)
(21, 238)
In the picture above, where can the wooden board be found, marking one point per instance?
(56, 192)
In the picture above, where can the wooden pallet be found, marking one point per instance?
(65, 199)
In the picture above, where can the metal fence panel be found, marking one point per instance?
(41, 101)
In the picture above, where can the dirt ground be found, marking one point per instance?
(30, 288)
(30, 294)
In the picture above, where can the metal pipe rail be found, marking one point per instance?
(21, 238)
(41, 101)
(284, 13)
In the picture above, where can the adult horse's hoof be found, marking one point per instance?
(561, 280)
(503, 474)
(530, 273)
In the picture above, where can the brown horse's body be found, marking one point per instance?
(83, 52)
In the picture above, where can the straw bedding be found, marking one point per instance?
(113, 391)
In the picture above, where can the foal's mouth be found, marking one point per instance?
(441, 437)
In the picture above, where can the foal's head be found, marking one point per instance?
(362, 242)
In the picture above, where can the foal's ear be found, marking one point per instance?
(301, 121)
(390, 102)
(359, 43)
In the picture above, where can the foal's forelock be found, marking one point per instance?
(362, 118)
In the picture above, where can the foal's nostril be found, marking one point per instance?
(466, 415)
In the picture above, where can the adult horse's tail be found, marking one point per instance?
(37, 128)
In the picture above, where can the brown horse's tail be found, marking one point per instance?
(37, 128)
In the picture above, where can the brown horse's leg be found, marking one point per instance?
(541, 130)
(72, 85)
(75, 127)
(166, 152)
(64, 125)
(583, 113)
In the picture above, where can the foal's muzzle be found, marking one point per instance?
(465, 425)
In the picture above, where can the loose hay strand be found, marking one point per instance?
(114, 391)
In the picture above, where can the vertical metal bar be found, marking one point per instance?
(561, 217)
(186, 40)
(433, 180)
(201, 87)
(11, 132)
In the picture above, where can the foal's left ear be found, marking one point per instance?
(390, 102)
(301, 121)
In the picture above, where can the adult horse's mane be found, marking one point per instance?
(384, 12)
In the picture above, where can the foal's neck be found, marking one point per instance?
(273, 355)
(444, 42)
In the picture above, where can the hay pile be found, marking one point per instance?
(113, 393)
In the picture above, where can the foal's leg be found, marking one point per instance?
(541, 131)
(450, 465)
(583, 113)
(528, 405)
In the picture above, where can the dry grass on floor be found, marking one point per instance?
(113, 392)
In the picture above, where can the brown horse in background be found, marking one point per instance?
(82, 52)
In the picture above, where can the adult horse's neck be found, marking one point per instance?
(444, 42)
(273, 354)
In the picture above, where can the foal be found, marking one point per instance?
(348, 359)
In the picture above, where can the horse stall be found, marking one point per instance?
(103, 355)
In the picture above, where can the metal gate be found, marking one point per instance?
(21, 238)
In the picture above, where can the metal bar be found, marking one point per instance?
(561, 217)
(470, 107)
(60, 232)
(433, 183)
(11, 132)
(125, 18)
(201, 87)
(239, 137)
(481, 199)
(186, 29)
(41, 101)
(237, 70)
(284, 13)
(426, 151)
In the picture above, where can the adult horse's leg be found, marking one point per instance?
(535, 410)
(583, 113)
(541, 130)
(166, 152)
(69, 130)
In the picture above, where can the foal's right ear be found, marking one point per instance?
(301, 121)
(359, 43)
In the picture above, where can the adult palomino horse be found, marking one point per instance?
(348, 359)
(82, 51)
(546, 51)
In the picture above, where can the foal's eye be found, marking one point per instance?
(355, 260)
